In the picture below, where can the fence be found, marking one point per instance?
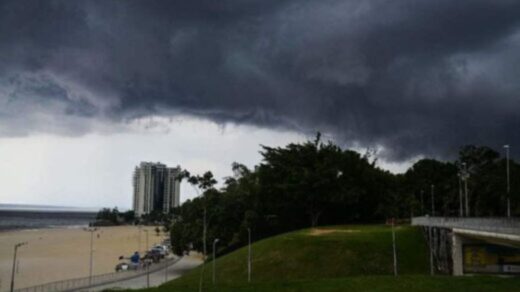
(97, 280)
(497, 225)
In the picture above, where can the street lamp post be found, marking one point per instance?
(422, 202)
(465, 177)
(394, 247)
(214, 258)
(139, 239)
(16, 246)
(147, 264)
(205, 230)
(430, 239)
(166, 272)
(249, 256)
(461, 208)
(91, 230)
(433, 200)
(508, 185)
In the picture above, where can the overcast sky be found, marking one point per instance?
(88, 89)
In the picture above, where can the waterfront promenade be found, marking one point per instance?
(157, 278)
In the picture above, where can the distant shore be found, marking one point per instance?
(17, 218)
(54, 254)
(48, 208)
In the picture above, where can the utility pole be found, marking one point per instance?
(147, 264)
(139, 239)
(167, 264)
(508, 185)
(249, 256)
(422, 202)
(394, 248)
(91, 230)
(214, 257)
(461, 208)
(431, 251)
(166, 272)
(466, 176)
(16, 246)
(205, 231)
(433, 200)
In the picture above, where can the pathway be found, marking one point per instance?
(157, 278)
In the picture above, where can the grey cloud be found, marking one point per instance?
(416, 77)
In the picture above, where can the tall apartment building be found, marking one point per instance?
(156, 187)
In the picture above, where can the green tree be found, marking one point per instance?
(426, 173)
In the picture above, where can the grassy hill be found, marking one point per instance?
(407, 283)
(354, 258)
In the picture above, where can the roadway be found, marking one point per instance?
(156, 278)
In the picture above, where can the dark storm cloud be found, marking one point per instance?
(416, 77)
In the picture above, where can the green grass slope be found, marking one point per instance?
(406, 283)
(336, 258)
(328, 252)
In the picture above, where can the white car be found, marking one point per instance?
(161, 249)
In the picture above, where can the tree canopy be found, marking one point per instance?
(319, 183)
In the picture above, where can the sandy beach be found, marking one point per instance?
(59, 254)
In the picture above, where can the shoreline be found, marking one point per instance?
(3, 230)
(11, 220)
(54, 227)
(63, 252)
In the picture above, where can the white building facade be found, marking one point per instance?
(156, 188)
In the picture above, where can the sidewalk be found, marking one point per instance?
(172, 272)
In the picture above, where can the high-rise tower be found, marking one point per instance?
(156, 187)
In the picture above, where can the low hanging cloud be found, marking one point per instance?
(413, 77)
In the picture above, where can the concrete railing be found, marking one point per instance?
(97, 280)
(496, 225)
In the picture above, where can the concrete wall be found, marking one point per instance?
(457, 256)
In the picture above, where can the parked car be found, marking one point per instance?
(152, 256)
(161, 249)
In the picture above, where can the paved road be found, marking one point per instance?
(172, 272)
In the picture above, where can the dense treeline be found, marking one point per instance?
(317, 183)
(113, 217)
